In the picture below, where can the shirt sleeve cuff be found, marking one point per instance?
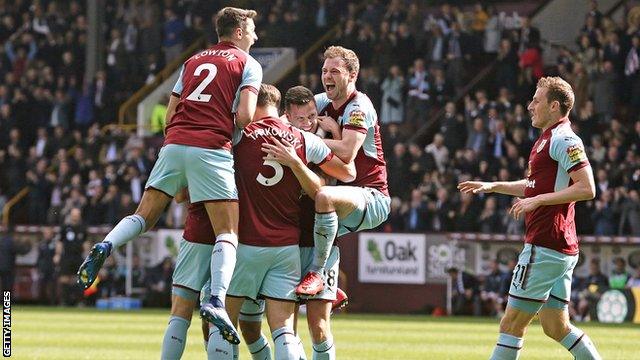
(175, 94)
(355, 128)
(327, 158)
(578, 166)
(250, 88)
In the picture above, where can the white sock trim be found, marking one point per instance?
(229, 238)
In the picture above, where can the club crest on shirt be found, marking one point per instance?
(576, 153)
(356, 118)
(541, 146)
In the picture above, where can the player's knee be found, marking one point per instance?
(182, 307)
(250, 331)
(323, 198)
(509, 325)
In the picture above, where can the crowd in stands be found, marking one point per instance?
(419, 68)
(53, 134)
(486, 294)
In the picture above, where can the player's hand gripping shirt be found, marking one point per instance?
(269, 193)
(359, 114)
(556, 153)
(209, 89)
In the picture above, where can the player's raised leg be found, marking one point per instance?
(149, 210)
(332, 203)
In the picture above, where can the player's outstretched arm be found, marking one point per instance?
(246, 107)
(514, 188)
(347, 148)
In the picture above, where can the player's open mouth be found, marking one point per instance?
(330, 87)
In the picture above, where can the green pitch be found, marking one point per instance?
(59, 333)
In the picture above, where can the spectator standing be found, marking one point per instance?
(173, 33)
(7, 260)
(392, 109)
(491, 289)
(72, 243)
(595, 284)
(619, 276)
(465, 290)
(46, 269)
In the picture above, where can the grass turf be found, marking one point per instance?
(69, 333)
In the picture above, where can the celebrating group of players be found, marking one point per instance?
(229, 152)
(237, 161)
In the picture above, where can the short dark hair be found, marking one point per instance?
(228, 19)
(297, 95)
(268, 95)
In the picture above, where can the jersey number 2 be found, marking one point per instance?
(275, 178)
(197, 94)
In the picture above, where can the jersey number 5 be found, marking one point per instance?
(197, 94)
(275, 178)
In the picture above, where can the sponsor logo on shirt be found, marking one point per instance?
(576, 153)
(530, 184)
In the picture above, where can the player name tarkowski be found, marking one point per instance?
(272, 132)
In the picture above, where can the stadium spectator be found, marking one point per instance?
(491, 290)
(8, 253)
(465, 290)
(418, 94)
(604, 215)
(634, 281)
(158, 114)
(619, 276)
(415, 217)
(111, 282)
(173, 34)
(392, 108)
(158, 283)
(72, 243)
(594, 285)
(45, 266)
(630, 214)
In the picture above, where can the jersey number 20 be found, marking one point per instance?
(197, 94)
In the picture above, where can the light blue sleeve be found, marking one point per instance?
(359, 115)
(321, 101)
(252, 74)
(316, 150)
(177, 88)
(567, 149)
